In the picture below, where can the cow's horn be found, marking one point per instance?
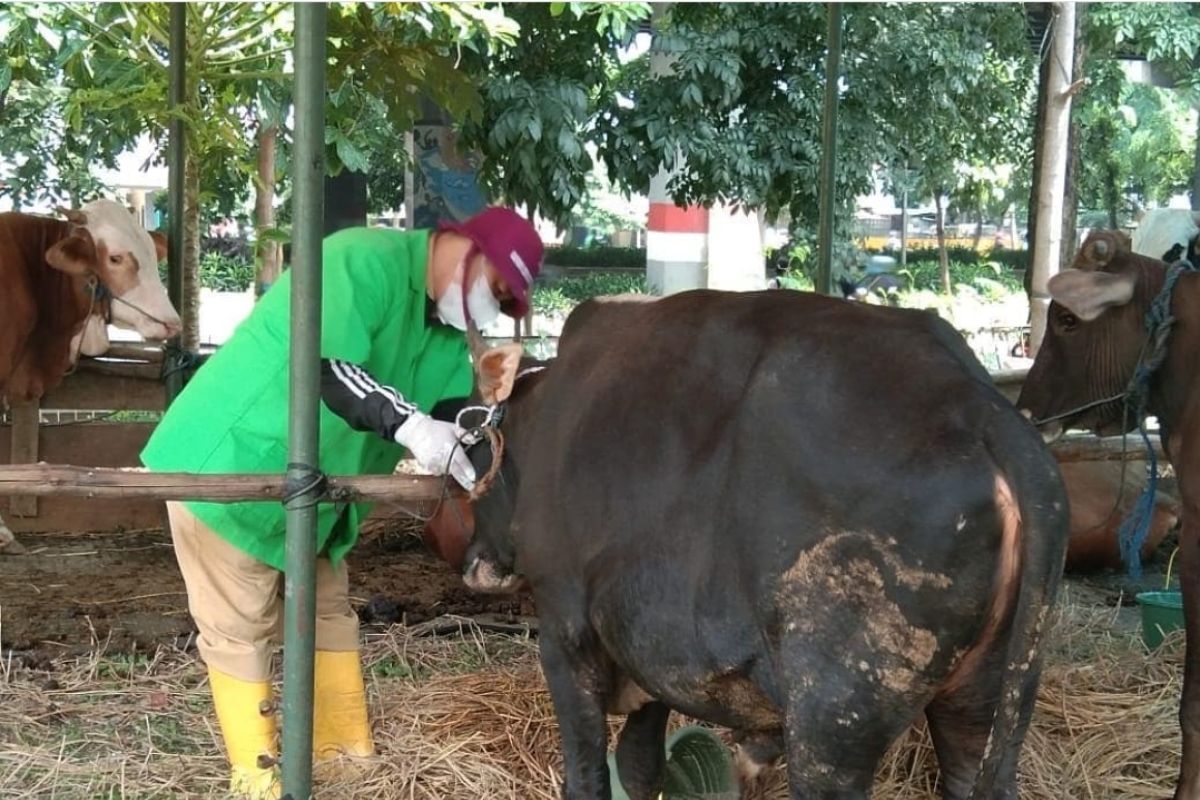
(74, 216)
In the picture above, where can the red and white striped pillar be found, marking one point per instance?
(692, 247)
(736, 262)
(676, 236)
(676, 242)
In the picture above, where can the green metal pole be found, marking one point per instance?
(175, 164)
(833, 57)
(299, 612)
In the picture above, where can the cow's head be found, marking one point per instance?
(1094, 337)
(106, 241)
(505, 381)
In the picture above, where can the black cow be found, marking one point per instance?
(746, 508)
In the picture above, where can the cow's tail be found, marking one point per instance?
(1035, 484)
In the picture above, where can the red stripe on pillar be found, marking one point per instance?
(668, 218)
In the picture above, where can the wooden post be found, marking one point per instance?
(24, 451)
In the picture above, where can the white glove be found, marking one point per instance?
(434, 444)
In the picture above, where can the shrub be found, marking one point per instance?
(224, 273)
(560, 296)
(1012, 259)
(978, 273)
(599, 257)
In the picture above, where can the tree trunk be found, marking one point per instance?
(904, 223)
(266, 252)
(978, 227)
(1036, 178)
(1196, 171)
(1070, 216)
(1113, 197)
(1047, 251)
(1012, 230)
(943, 257)
(191, 254)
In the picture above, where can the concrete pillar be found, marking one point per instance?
(676, 237)
(735, 250)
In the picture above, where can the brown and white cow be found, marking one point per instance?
(49, 310)
(1168, 234)
(1095, 337)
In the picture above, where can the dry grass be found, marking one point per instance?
(469, 717)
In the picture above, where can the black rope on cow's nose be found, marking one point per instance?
(1080, 409)
(138, 309)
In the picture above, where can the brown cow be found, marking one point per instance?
(50, 311)
(1095, 340)
(1101, 494)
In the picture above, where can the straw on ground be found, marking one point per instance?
(469, 717)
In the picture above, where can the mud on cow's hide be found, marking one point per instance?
(696, 492)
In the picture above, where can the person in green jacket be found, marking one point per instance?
(394, 367)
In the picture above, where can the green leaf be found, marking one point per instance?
(351, 156)
(281, 235)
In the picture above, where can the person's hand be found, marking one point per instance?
(434, 444)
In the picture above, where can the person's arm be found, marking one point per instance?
(367, 405)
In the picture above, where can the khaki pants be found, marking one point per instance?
(237, 601)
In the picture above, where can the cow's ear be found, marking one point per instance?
(1086, 293)
(73, 215)
(160, 244)
(497, 370)
(75, 254)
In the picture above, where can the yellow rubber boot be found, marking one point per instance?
(248, 726)
(340, 725)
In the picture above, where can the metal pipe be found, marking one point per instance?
(299, 613)
(833, 57)
(176, 152)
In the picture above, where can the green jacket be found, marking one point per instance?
(233, 414)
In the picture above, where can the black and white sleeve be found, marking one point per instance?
(367, 405)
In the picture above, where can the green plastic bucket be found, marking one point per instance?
(1162, 612)
(699, 767)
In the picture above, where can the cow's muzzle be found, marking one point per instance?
(481, 575)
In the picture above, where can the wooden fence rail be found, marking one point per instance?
(51, 480)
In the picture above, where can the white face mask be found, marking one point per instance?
(482, 303)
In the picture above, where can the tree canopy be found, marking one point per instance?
(940, 95)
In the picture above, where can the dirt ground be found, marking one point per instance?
(73, 591)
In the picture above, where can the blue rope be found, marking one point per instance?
(1136, 526)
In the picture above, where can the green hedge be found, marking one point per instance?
(990, 277)
(1013, 259)
(560, 296)
(599, 257)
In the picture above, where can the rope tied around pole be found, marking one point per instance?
(176, 359)
(303, 481)
(1159, 321)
